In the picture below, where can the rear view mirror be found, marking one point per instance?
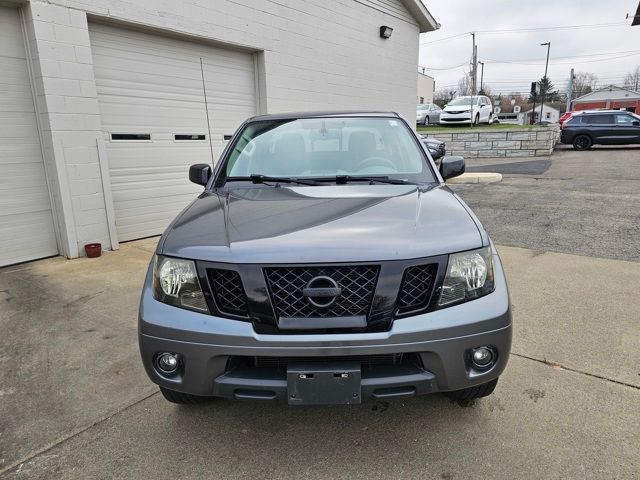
(200, 173)
(452, 167)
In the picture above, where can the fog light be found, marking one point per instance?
(482, 357)
(167, 362)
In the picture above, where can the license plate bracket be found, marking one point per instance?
(335, 383)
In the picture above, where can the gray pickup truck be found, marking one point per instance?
(325, 262)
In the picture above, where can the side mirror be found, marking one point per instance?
(636, 123)
(200, 173)
(451, 167)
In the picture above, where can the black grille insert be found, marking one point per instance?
(366, 361)
(357, 284)
(228, 291)
(417, 284)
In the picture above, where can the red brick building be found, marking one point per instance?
(609, 97)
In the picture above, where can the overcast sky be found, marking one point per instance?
(578, 46)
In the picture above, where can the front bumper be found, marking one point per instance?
(457, 118)
(440, 339)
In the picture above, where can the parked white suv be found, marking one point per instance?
(463, 110)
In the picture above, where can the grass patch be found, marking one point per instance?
(467, 128)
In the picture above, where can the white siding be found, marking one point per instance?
(150, 84)
(26, 224)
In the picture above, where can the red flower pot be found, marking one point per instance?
(93, 249)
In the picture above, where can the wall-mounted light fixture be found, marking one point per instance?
(385, 32)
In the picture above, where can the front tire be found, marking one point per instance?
(582, 142)
(490, 119)
(182, 398)
(471, 393)
(426, 121)
(476, 121)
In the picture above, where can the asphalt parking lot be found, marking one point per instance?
(77, 404)
(586, 203)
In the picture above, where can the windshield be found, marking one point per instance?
(456, 102)
(328, 147)
(423, 107)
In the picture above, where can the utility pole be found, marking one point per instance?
(546, 66)
(534, 93)
(474, 76)
(570, 91)
(481, 77)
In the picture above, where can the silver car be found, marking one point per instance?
(427, 114)
(325, 262)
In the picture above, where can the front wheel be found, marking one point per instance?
(582, 142)
(471, 393)
(476, 121)
(426, 121)
(490, 119)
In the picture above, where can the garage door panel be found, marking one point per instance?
(157, 159)
(130, 197)
(150, 84)
(26, 223)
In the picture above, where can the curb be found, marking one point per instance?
(477, 177)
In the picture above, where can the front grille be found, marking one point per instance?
(287, 283)
(416, 288)
(366, 361)
(228, 291)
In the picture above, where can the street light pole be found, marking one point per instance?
(546, 66)
(481, 77)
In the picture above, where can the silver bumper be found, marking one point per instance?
(441, 339)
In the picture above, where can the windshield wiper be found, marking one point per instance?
(254, 178)
(342, 179)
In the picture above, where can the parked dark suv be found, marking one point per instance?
(601, 127)
(325, 262)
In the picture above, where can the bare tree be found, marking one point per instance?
(464, 85)
(583, 83)
(487, 90)
(632, 79)
(443, 96)
(517, 98)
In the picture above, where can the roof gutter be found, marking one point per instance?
(425, 20)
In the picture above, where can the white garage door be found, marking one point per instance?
(154, 118)
(26, 223)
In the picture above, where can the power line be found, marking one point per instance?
(489, 60)
(528, 30)
(559, 27)
(590, 55)
(447, 68)
(446, 38)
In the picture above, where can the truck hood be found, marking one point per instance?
(345, 223)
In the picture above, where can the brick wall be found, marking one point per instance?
(517, 142)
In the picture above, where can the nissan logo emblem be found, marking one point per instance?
(322, 292)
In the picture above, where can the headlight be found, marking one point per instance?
(175, 281)
(435, 146)
(469, 276)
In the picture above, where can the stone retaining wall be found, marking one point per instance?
(516, 142)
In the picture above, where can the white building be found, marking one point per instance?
(102, 106)
(549, 114)
(426, 87)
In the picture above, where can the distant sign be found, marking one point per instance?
(516, 109)
(497, 110)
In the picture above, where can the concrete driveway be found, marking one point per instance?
(75, 402)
